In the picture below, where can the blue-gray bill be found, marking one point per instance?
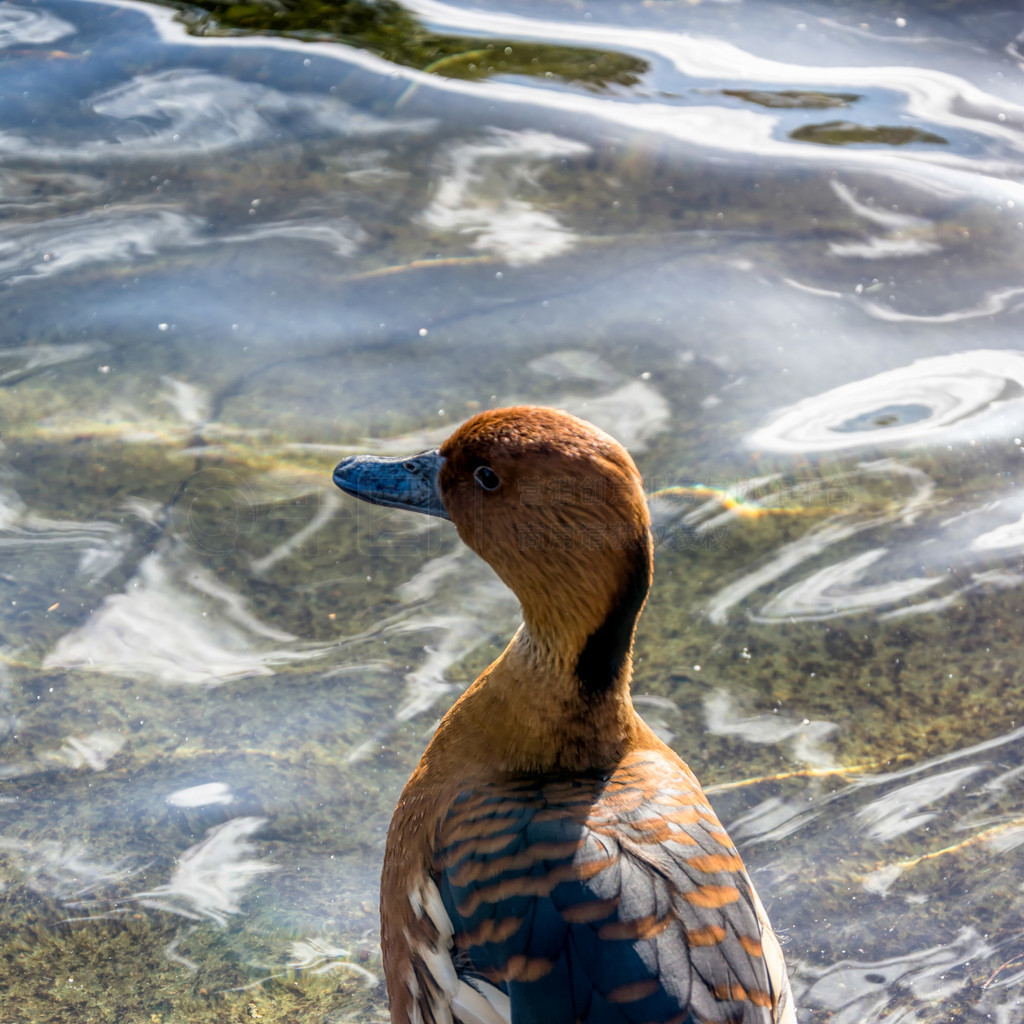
(409, 483)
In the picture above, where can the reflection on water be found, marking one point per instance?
(976, 394)
(903, 234)
(228, 259)
(501, 223)
(211, 876)
(20, 26)
(191, 630)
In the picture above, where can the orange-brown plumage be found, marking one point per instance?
(542, 784)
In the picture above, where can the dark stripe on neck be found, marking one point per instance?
(604, 654)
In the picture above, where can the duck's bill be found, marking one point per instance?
(409, 483)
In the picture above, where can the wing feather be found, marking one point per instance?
(614, 899)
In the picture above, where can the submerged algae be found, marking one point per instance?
(847, 133)
(142, 968)
(793, 99)
(391, 31)
(896, 681)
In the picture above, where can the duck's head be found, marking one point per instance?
(557, 508)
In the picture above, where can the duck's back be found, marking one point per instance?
(612, 898)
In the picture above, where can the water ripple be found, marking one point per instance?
(22, 27)
(31, 359)
(839, 528)
(211, 876)
(910, 806)
(839, 589)
(178, 624)
(109, 235)
(188, 111)
(1006, 537)
(929, 94)
(479, 195)
(914, 404)
(859, 991)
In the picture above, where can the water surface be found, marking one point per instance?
(774, 249)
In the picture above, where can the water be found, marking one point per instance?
(774, 249)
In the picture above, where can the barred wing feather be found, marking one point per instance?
(615, 899)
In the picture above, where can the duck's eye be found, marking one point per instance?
(486, 478)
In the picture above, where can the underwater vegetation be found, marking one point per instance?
(391, 31)
(846, 133)
(239, 242)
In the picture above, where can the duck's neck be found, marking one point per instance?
(558, 697)
(584, 629)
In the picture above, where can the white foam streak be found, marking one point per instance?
(479, 195)
(178, 624)
(856, 991)
(109, 235)
(990, 305)
(94, 750)
(802, 598)
(913, 805)
(20, 26)
(202, 795)
(190, 402)
(914, 404)
(1008, 537)
(211, 876)
(813, 543)
(839, 589)
(806, 739)
(36, 357)
(317, 956)
(883, 248)
(340, 235)
(328, 500)
(188, 111)
(60, 870)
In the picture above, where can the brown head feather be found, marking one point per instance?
(557, 508)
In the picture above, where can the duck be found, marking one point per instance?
(551, 860)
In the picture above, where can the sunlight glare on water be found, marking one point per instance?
(775, 250)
